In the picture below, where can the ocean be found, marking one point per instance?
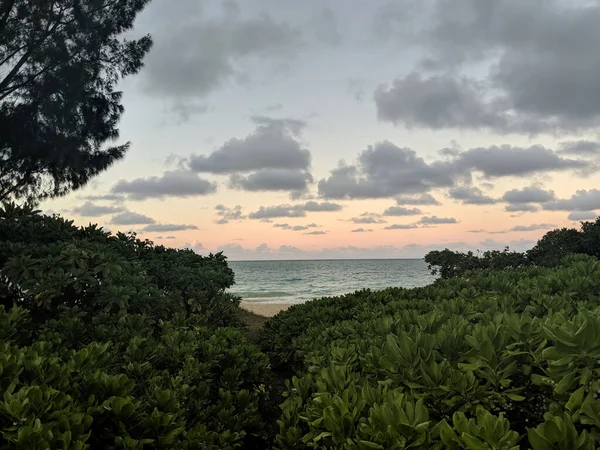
(300, 281)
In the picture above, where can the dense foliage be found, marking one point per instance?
(497, 360)
(111, 342)
(60, 62)
(548, 252)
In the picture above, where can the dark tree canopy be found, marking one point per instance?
(60, 61)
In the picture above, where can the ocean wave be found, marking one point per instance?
(250, 294)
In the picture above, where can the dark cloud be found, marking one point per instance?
(436, 102)
(530, 194)
(271, 146)
(131, 218)
(537, 63)
(313, 225)
(423, 199)
(533, 227)
(89, 209)
(507, 160)
(227, 215)
(434, 220)
(282, 225)
(400, 227)
(368, 218)
(362, 230)
(195, 54)
(166, 227)
(180, 183)
(271, 212)
(299, 228)
(582, 215)
(401, 211)
(470, 195)
(582, 200)
(521, 207)
(316, 233)
(385, 170)
(272, 180)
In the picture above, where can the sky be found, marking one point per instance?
(280, 129)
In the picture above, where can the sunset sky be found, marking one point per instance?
(285, 129)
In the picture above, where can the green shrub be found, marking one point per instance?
(498, 359)
(110, 342)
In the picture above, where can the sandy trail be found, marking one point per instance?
(264, 309)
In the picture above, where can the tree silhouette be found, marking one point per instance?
(60, 61)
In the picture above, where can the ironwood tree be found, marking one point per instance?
(60, 62)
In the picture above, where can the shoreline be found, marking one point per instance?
(264, 309)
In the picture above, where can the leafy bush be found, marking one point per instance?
(548, 252)
(499, 359)
(110, 342)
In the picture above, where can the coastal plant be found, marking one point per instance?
(499, 359)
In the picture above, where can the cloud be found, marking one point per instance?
(300, 228)
(582, 200)
(180, 183)
(271, 212)
(385, 170)
(521, 207)
(362, 230)
(109, 197)
(375, 252)
(436, 102)
(401, 211)
(470, 196)
(313, 225)
(271, 146)
(272, 180)
(581, 148)
(281, 225)
(170, 237)
(262, 248)
(400, 227)
(316, 233)
(582, 215)
(290, 249)
(367, 218)
(530, 194)
(131, 218)
(434, 220)
(195, 246)
(507, 160)
(230, 248)
(227, 215)
(166, 227)
(324, 206)
(533, 227)
(89, 209)
(423, 199)
(536, 64)
(201, 54)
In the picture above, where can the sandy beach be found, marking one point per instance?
(264, 309)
